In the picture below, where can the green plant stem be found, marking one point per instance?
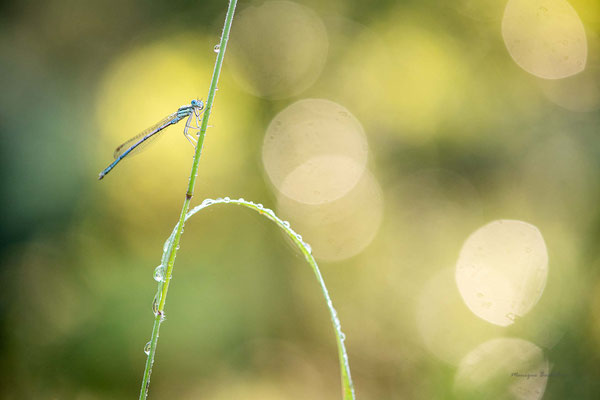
(174, 243)
(347, 386)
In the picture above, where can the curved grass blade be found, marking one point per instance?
(347, 385)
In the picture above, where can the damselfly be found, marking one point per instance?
(139, 141)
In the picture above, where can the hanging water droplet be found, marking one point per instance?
(147, 348)
(159, 273)
(217, 48)
(155, 304)
(286, 224)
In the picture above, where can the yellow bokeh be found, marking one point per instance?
(404, 77)
(545, 37)
(388, 134)
(140, 88)
(278, 49)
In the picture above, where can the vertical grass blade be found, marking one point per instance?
(173, 244)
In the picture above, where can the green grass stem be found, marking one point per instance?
(164, 272)
(171, 250)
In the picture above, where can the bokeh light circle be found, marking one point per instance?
(501, 270)
(314, 151)
(545, 37)
(404, 78)
(580, 93)
(446, 327)
(277, 49)
(339, 229)
(503, 368)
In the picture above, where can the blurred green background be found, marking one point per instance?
(386, 132)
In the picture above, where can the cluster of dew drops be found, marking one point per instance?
(159, 276)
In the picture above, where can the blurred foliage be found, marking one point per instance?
(459, 135)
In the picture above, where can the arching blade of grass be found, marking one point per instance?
(347, 386)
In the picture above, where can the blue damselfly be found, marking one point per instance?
(139, 141)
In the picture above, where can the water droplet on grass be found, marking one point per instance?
(155, 304)
(159, 273)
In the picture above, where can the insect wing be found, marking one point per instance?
(140, 141)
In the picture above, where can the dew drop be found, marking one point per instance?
(147, 348)
(217, 48)
(286, 224)
(226, 199)
(159, 273)
(155, 304)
